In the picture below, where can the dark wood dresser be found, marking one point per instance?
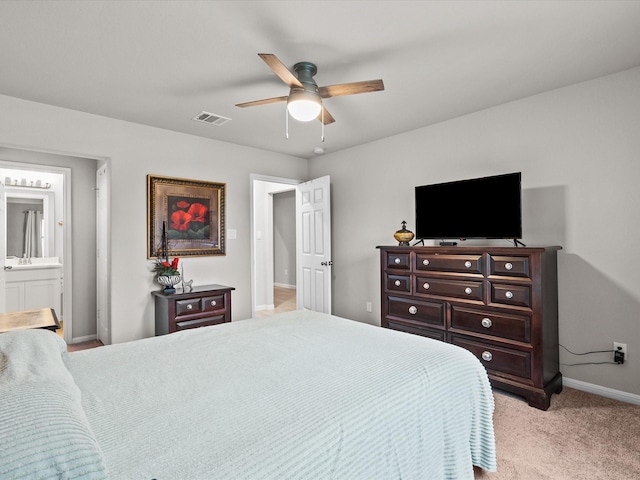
(500, 303)
(201, 306)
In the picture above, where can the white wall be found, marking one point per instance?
(579, 152)
(134, 151)
(284, 239)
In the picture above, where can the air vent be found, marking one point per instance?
(211, 118)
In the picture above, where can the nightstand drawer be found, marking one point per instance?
(513, 327)
(213, 303)
(467, 289)
(188, 307)
(199, 322)
(499, 359)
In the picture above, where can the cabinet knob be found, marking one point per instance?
(396, 261)
(467, 264)
(425, 262)
(189, 307)
(508, 294)
(468, 290)
(487, 356)
(413, 310)
(397, 283)
(508, 265)
(486, 322)
(213, 303)
(426, 285)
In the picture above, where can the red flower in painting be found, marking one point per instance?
(182, 204)
(180, 220)
(198, 212)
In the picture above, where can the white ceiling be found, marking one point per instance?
(160, 63)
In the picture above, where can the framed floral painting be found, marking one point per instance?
(184, 217)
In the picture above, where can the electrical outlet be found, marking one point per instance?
(620, 347)
(368, 306)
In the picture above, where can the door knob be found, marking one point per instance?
(326, 264)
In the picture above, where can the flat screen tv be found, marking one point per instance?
(477, 208)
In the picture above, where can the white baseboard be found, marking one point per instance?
(284, 285)
(259, 308)
(602, 391)
(86, 338)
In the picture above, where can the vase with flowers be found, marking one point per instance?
(167, 274)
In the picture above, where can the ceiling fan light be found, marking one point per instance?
(304, 105)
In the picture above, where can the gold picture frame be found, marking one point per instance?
(184, 217)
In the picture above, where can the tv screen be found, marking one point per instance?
(487, 207)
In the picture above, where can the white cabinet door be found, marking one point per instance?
(14, 296)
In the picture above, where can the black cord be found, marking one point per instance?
(587, 353)
(588, 363)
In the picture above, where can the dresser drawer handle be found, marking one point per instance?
(508, 266)
(213, 303)
(397, 283)
(426, 285)
(508, 294)
(467, 264)
(486, 322)
(396, 261)
(425, 262)
(487, 356)
(468, 290)
(413, 310)
(189, 307)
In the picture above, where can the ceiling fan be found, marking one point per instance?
(304, 101)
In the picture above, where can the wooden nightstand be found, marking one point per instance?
(40, 318)
(201, 306)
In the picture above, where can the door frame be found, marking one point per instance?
(287, 185)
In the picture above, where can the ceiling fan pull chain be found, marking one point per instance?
(286, 123)
(322, 122)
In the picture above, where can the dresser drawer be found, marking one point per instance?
(188, 307)
(499, 359)
(449, 263)
(199, 322)
(467, 289)
(215, 302)
(415, 310)
(513, 327)
(509, 266)
(417, 330)
(398, 260)
(518, 295)
(399, 283)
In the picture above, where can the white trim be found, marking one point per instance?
(283, 285)
(602, 391)
(260, 308)
(85, 338)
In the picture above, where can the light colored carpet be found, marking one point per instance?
(581, 437)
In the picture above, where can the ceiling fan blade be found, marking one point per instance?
(328, 118)
(280, 70)
(266, 101)
(351, 88)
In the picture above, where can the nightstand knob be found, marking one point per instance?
(425, 285)
(486, 322)
(189, 307)
(467, 264)
(413, 310)
(397, 283)
(508, 294)
(487, 356)
(396, 261)
(508, 266)
(425, 262)
(468, 290)
(213, 303)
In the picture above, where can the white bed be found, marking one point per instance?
(297, 396)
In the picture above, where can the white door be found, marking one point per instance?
(102, 272)
(313, 244)
(3, 242)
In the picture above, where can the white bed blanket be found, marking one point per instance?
(297, 396)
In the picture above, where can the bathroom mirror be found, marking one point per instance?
(29, 216)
